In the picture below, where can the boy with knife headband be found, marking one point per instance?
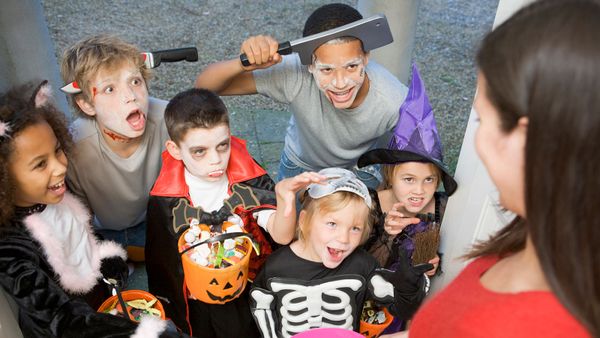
(119, 135)
(341, 102)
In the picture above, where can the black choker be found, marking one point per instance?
(26, 211)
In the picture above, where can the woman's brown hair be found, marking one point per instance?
(544, 63)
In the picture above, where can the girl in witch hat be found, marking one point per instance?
(408, 206)
(408, 199)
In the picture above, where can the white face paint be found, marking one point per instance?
(120, 101)
(206, 152)
(339, 70)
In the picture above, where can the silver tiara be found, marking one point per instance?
(339, 179)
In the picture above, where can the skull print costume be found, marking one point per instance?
(292, 294)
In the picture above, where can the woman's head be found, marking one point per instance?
(541, 71)
(32, 149)
(335, 217)
(539, 85)
(501, 150)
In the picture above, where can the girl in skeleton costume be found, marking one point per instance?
(51, 265)
(322, 279)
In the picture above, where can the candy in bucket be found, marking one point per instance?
(215, 265)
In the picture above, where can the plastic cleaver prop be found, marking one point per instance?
(374, 32)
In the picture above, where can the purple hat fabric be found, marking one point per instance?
(416, 130)
(415, 137)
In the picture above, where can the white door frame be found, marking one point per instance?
(472, 213)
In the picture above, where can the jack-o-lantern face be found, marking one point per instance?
(370, 330)
(216, 286)
(225, 290)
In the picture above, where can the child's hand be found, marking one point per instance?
(114, 267)
(395, 221)
(286, 189)
(261, 51)
(436, 262)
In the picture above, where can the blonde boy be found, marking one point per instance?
(119, 135)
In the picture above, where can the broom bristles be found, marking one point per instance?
(426, 244)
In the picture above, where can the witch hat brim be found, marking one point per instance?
(394, 156)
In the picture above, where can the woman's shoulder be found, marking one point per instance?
(466, 302)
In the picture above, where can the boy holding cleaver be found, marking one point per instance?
(341, 103)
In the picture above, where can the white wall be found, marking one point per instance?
(472, 213)
(402, 18)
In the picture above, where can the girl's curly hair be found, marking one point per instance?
(21, 107)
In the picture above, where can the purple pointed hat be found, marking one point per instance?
(415, 137)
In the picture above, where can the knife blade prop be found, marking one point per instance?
(151, 60)
(373, 32)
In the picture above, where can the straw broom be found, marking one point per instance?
(426, 244)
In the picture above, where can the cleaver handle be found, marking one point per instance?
(284, 48)
(173, 55)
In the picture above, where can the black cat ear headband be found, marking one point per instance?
(40, 97)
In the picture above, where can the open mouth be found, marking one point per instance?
(415, 201)
(58, 188)
(341, 96)
(336, 255)
(216, 173)
(136, 120)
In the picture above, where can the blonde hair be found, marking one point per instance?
(85, 59)
(332, 203)
(389, 170)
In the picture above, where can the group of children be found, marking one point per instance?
(142, 166)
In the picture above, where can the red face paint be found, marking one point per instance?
(115, 137)
(94, 92)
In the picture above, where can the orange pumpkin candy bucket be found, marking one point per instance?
(214, 284)
(372, 330)
(134, 299)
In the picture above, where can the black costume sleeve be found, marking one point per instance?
(115, 268)
(264, 188)
(45, 309)
(401, 291)
(163, 263)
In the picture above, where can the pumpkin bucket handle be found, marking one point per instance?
(222, 237)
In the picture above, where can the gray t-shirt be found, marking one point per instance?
(116, 188)
(320, 135)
